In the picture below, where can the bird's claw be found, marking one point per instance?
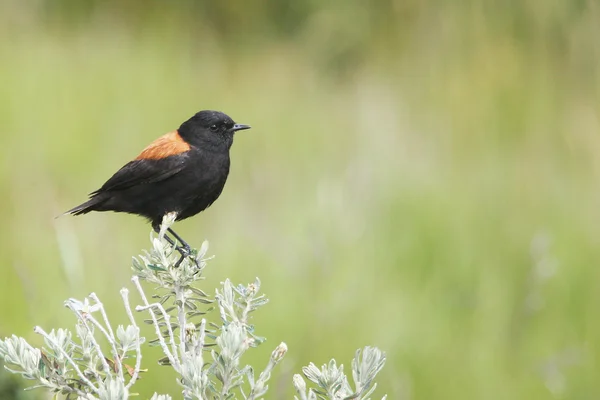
(186, 251)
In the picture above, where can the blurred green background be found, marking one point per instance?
(422, 176)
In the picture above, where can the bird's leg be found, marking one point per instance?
(180, 240)
(185, 250)
(185, 247)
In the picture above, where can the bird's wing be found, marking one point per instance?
(160, 160)
(141, 171)
(167, 145)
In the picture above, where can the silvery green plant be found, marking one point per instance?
(97, 361)
(332, 383)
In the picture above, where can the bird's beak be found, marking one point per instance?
(240, 127)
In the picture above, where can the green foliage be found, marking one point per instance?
(405, 163)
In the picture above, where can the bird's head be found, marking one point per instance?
(210, 129)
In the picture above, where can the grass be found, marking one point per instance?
(394, 204)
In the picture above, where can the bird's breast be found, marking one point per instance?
(206, 177)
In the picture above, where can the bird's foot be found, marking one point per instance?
(186, 251)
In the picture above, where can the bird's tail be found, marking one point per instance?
(90, 205)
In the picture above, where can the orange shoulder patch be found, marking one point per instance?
(167, 145)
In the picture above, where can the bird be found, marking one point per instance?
(181, 172)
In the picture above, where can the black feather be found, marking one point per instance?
(185, 183)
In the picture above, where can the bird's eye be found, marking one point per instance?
(214, 128)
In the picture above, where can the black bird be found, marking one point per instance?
(183, 171)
